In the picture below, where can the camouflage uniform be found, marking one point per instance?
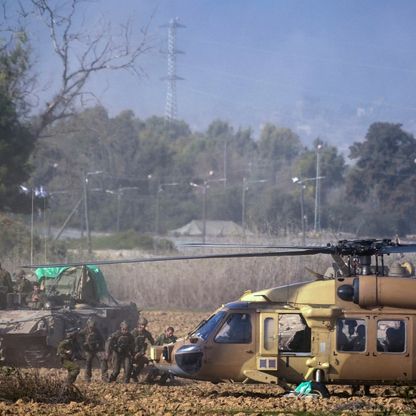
(166, 339)
(36, 299)
(22, 285)
(93, 346)
(6, 286)
(68, 352)
(121, 344)
(141, 336)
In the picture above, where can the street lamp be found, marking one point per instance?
(317, 222)
(159, 191)
(301, 182)
(204, 187)
(87, 221)
(119, 192)
(243, 200)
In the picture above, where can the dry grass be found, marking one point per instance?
(31, 385)
(205, 284)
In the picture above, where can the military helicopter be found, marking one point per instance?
(353, 327)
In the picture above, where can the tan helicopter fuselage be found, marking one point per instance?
(355, 330)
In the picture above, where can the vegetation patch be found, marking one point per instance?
(30, 385)
(126, 240)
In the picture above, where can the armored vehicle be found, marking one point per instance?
(32, 325)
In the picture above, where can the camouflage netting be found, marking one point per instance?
(71, 281)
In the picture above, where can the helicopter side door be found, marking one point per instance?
(232, 348)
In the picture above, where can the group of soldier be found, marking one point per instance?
(30, 292)
(124, 349)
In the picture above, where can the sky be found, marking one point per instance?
(324, 68)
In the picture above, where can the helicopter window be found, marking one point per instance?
(269, 334)
(351, 335)
(391, 336)
(205, 329)
(294, 334)
(235, 330)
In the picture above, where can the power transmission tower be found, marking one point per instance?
(172, 77)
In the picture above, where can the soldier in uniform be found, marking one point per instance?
(6, 286)
(93, 346)
(121, 345)
(167, 337)
(141, 339)
(22, 285)
(36, 299)
(68, 351)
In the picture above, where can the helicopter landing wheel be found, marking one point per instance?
(320, 390)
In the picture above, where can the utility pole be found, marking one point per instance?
(317, 222)
(172, 77)
(246, 182)
(86, 210)
(204, 188)
(301, 183)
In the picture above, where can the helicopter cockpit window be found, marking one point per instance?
(391, 336)
(294, 334)
(351, 335)
(235, 330)
(204, 329)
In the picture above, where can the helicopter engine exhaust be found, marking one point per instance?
(373, 291)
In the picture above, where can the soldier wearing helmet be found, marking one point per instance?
(93, 347)
(68, 351)
(141, 339)
(23, 286)
(121, 345)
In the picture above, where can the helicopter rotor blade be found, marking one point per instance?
(402, 248)
(177, 258)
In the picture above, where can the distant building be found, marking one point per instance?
(213, 229)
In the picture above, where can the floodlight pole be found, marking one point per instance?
(159, 191)
(86, 211)
(317, 222)
(243, 201)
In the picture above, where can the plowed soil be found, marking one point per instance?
(183, 397)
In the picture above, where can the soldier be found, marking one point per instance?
(68, 351)
(93, 346)
(167, 337)
(22, 285)
(36, 299)
(6, 286)
(121, 344)
(141, 336)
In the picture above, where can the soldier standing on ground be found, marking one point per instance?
(141, 339)
(93, 347)
(121, 345)
(167, 337)
(68, 351)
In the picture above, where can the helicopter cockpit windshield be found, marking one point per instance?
(203, 331)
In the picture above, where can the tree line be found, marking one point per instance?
(153, 176)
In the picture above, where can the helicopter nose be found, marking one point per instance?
(189, 358)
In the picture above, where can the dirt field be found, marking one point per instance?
(199, 398)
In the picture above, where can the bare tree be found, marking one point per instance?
(82, 54)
